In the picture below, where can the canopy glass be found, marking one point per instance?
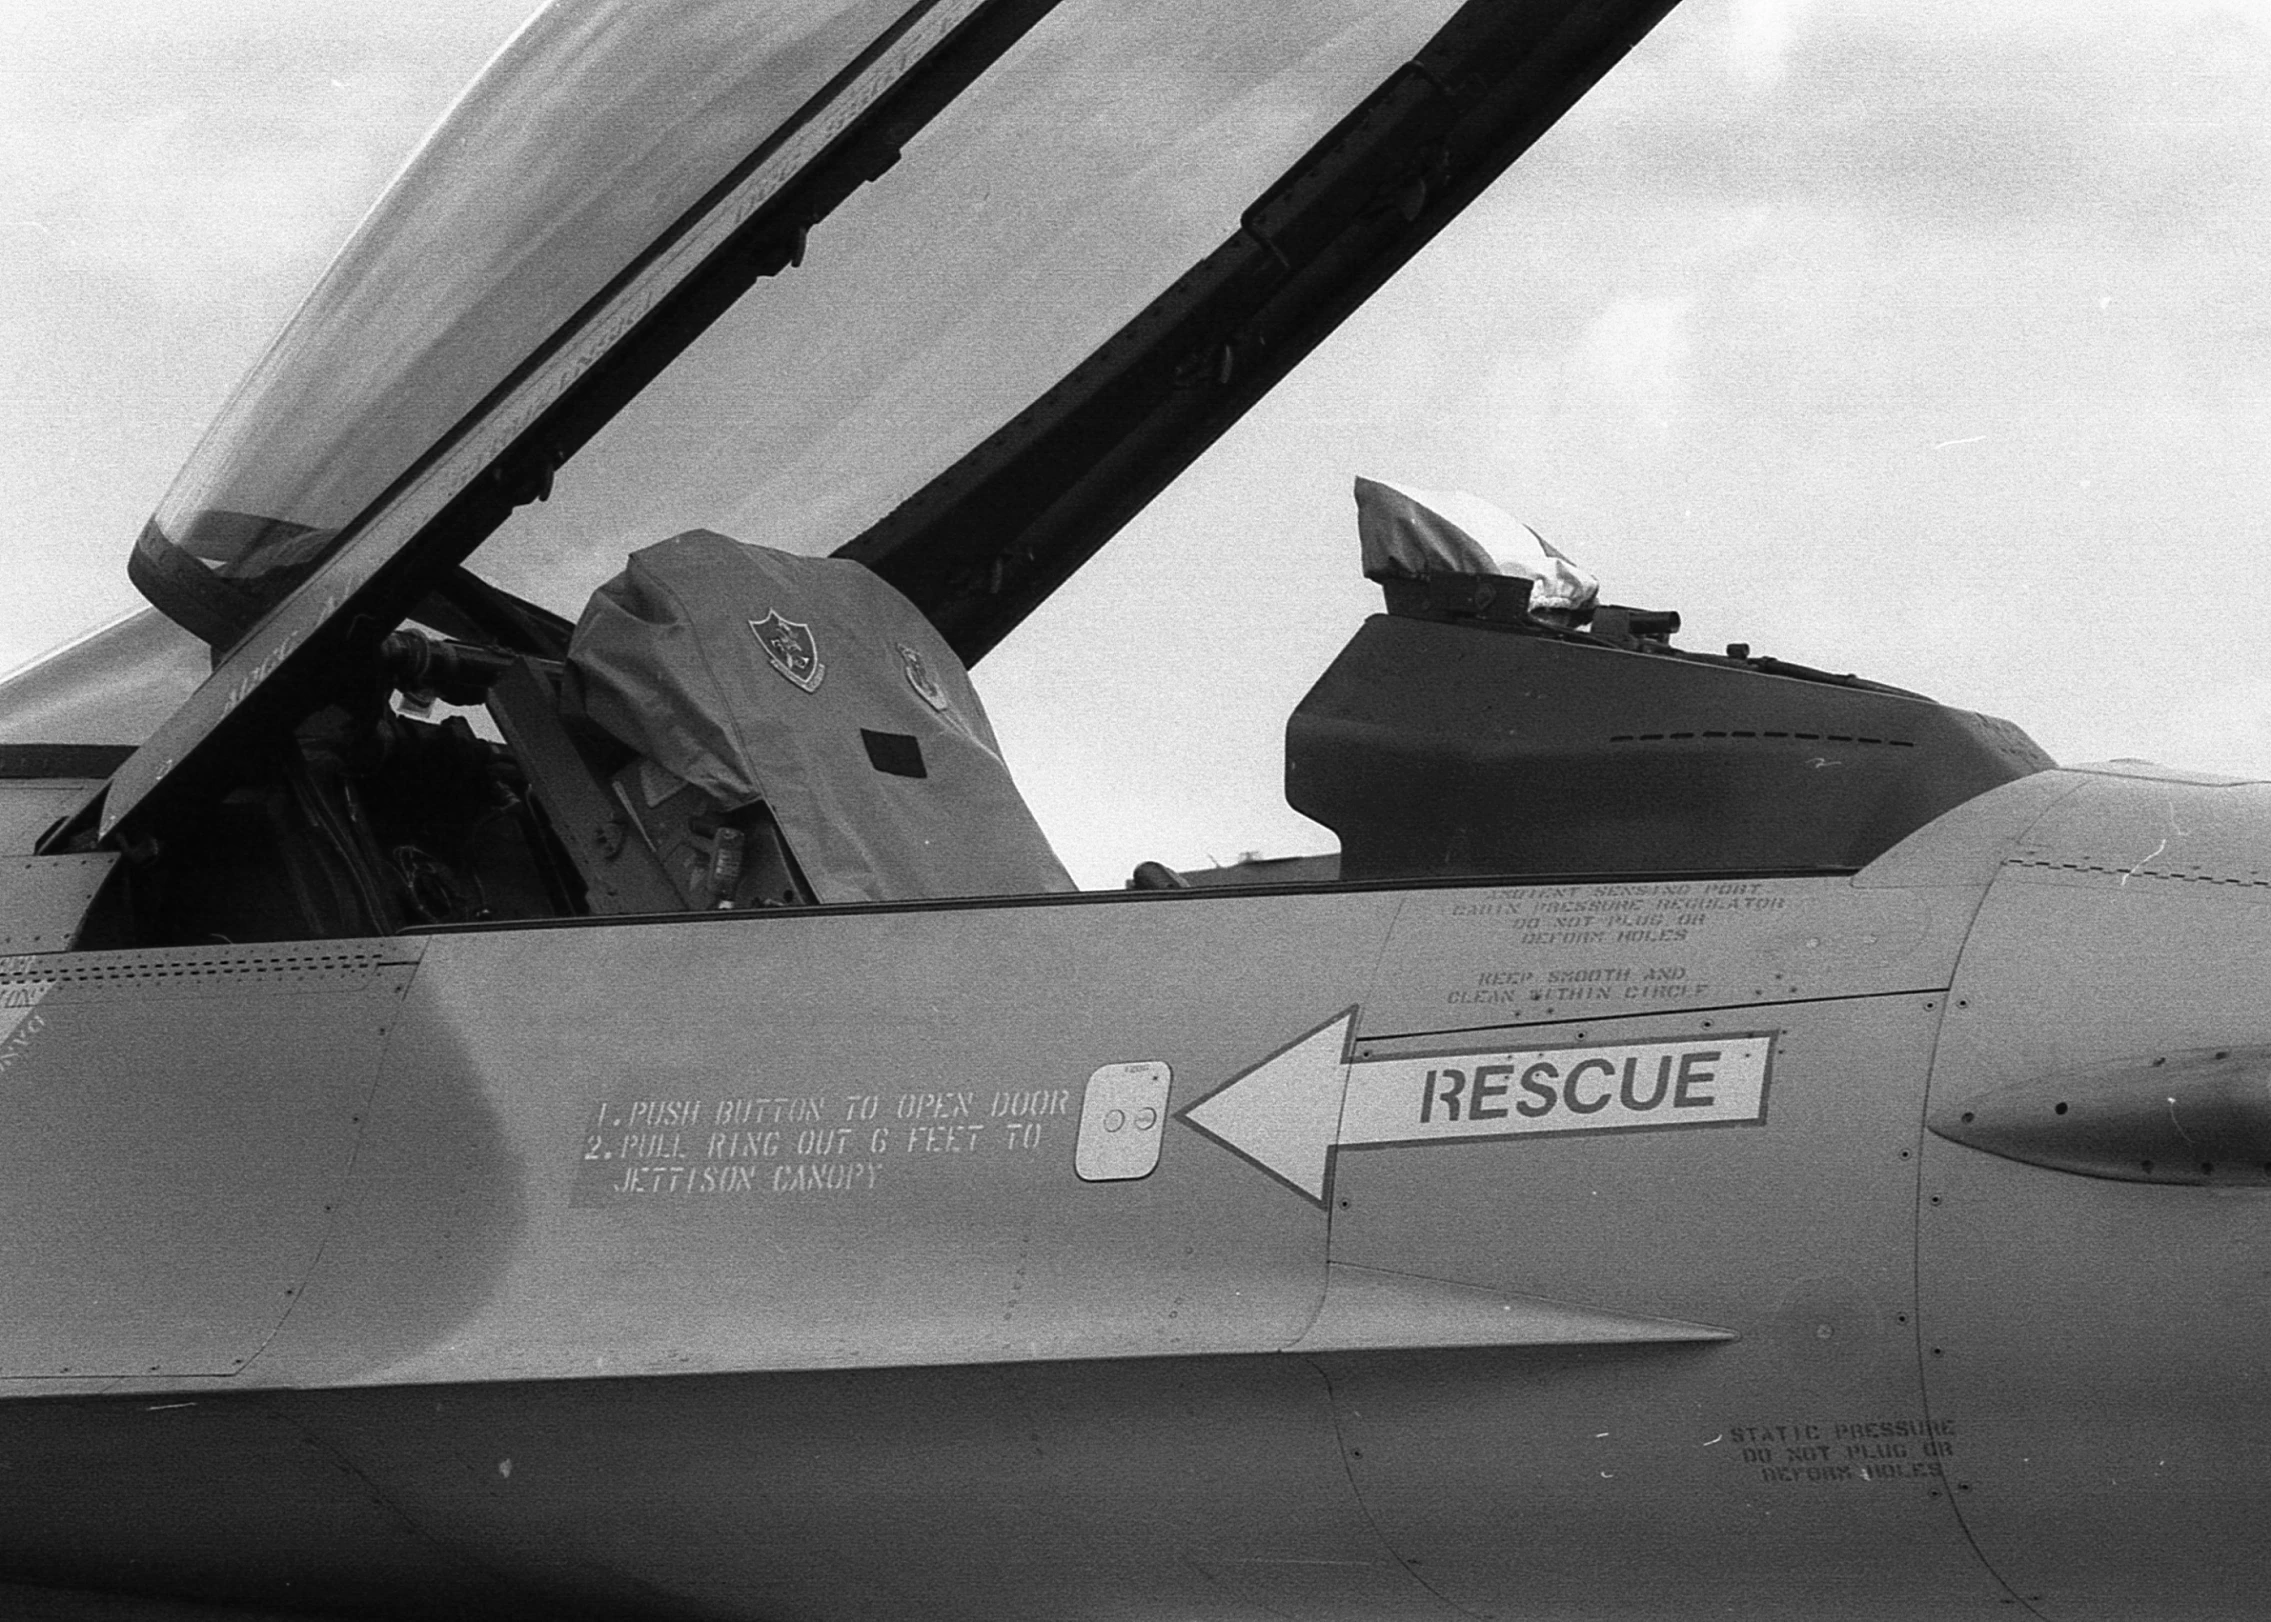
(589, 136)
(1056, 199)
(946, 207)
(1060, 194)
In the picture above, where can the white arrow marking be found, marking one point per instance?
(1292, 1112)
(1284, 1113)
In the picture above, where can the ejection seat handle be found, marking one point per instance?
(621, 875)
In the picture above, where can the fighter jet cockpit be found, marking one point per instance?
(578, 1043)
(615, 529)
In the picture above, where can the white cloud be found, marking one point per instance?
(177, 175)
(1631, 364)
(248, 218)
(1759, 36)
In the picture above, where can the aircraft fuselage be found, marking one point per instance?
(1507, 1248)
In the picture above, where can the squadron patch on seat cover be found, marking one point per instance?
(920, 679)
(791, 649)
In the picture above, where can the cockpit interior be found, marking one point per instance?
(614, 530)
(731, 728)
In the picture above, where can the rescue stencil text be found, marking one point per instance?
(1694, 1081)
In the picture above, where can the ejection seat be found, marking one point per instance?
(796, 731)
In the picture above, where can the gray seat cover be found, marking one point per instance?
(752, 674)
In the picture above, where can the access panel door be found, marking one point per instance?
(1672, 1129)
(2094, 1295)
(175, 1129)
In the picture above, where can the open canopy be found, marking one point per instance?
(1029, 258)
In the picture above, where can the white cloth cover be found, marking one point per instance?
(753, 674)
(1407, 533)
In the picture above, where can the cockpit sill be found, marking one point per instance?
(1524, 882)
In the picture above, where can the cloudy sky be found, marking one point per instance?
(1927, 339)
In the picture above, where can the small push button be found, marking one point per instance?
(1122, 1115)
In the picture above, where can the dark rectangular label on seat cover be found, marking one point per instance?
(895, 752)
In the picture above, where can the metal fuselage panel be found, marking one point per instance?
(1194, 1488)
(821, 1140)
(2095, 1346)
(175, 1128)
(821, 1167)
(29, 809)
(1669, 1480)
